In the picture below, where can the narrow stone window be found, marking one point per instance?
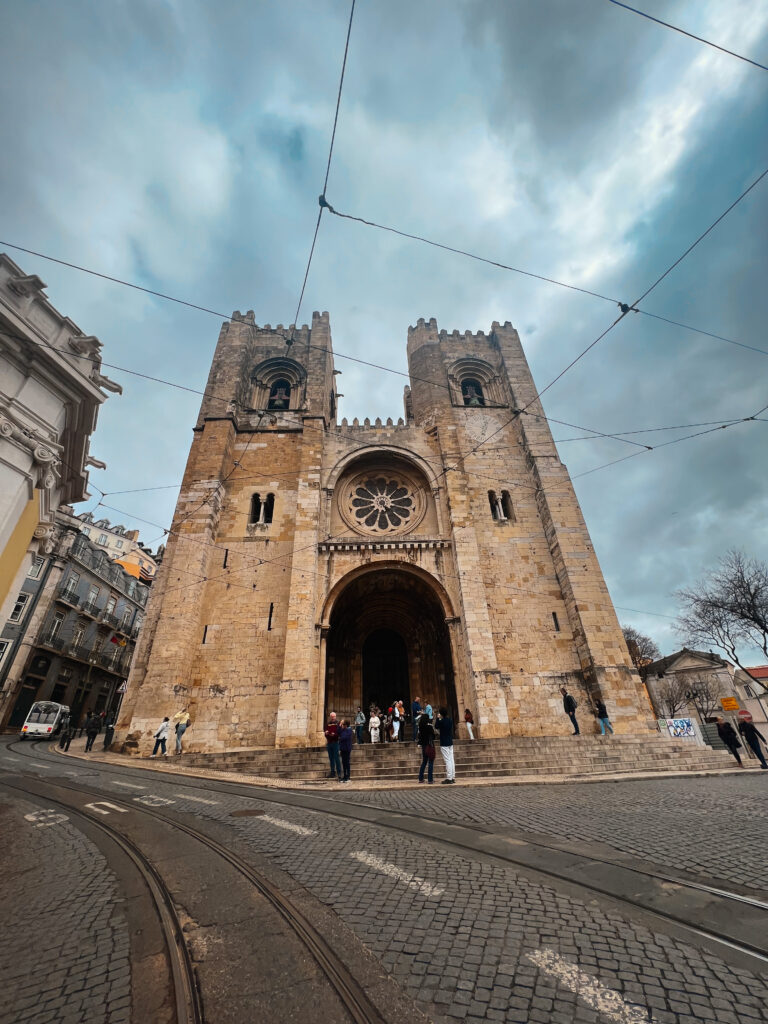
(493, 501)
(280, 394)
(269, 620)
(205, 633)
(472, 392)
(555, 621)
(506, 505)
(256, 509)
(269, 508)
(226, 558)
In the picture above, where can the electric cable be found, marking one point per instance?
(682, 31)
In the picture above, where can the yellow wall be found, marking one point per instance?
(13, 553)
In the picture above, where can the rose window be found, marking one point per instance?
(381, 503)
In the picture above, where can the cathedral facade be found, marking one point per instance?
(316, 565)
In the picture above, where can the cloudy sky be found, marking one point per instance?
(182, 145)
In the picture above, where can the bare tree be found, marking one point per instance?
(728, 608)
(705, 694)
(671, 693)
(642, 650)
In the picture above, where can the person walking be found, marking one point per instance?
(469, 722)
(181, 728)
(415, 712)
(332, 746)
(360, 725)
(92, 729)
(345, 747)
(395, 711)
(569, 706)
(749, 731)
(161, 737)
(374, 724)
(727, 734)
(445, 730)
(602, 716)
(426, 740)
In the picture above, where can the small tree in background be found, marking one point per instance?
(671, 692)
(642, 650)
(728, 608)
(705, 693)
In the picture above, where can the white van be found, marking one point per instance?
(45, 718)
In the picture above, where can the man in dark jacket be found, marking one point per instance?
(750, 733)
(92, 730)
(332, 746)
(415, 712)
(445, 731)
(569, 706)
(727, 734)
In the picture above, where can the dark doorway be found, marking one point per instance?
(385, 670)
(24, 702)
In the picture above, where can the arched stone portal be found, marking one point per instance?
(388, 640)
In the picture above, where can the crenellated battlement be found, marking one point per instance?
(425, 332)
(377, 424)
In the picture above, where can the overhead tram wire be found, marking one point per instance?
(289, 341)
(682, 31)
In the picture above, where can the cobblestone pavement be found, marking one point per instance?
(712, 826)
(470, 940)
(64, 945)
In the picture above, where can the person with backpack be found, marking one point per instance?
(569, 706)
(426, 739)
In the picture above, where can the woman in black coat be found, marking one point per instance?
(728, 735)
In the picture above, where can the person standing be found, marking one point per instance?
(426, 739)
(345, 748)
(160, 738)
(602, 716)
(469, 722)
(360, 725)
(415, 712)
(332, 746)
(92, 728)
(569, 706)
(428, 711)
(749, 731)
(181, 728)
(395, 711)
(727, 734)
(445, 729)
(374, 724)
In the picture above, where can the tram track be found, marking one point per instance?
(359, 1007)
(501, 849)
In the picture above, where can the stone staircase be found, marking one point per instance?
(580, 756)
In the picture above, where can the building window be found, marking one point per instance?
(19, 608)
(493, 501)
(262, 511)
(138, 622)
(506, 505)
(86, 530)
(126, 618)
(555, 622)
(36, 568)
(58, 618)
(748, 691)
(280, 394)
(102, 539)
(77, 635)
(472, 392)
(110, 609)
(501, 507)
(118, 544)
(4, 645)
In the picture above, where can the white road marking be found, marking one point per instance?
(605, 1000)
(150, 800)
(9, 758)
(411, 880)
(73, 774)
(46, 817)
(128, 785)
(281, 823)
(35, 764)
(196, 799)
(101, 804)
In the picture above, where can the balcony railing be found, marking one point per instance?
(109, 660)
(111, 620)
(91, 608)
(68, 595)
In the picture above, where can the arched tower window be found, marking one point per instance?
(269, 508)
(262, 510)
(506, 506)
(280, 394)
(472, 392)
(256, 507)
(493, 501)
